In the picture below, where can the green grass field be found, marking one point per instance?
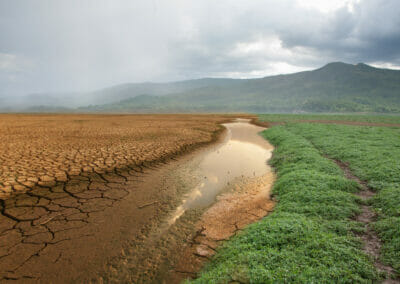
(373, 154)
(389, 119)
(310, 237)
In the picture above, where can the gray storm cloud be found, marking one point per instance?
(64, 46)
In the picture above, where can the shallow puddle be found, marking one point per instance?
(244, 153)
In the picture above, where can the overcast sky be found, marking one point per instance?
(81, 45)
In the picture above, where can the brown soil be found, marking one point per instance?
(371, 241)
(66, 227)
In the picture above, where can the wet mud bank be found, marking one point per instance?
(219, 191)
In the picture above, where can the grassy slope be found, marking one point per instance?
(308, 238)
(373, 154)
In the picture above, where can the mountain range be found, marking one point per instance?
(336, 87)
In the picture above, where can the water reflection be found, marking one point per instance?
(244, 153)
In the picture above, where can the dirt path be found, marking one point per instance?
(371, 241)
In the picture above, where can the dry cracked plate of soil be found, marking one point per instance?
(79, 193)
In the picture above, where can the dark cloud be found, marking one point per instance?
(54, 45)
(370, 32)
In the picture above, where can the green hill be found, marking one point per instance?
(336, 87)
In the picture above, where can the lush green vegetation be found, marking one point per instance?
(370, 118)
(373, 154)
(310, 236)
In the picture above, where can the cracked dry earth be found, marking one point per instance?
(70, 184)
(36, 226)
(45, 149)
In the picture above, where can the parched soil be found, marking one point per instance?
(41, 150)
(70, 185)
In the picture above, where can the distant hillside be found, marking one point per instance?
(130, 90)
(336, 87)
(104, 96)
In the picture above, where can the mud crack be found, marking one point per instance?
(45, 216)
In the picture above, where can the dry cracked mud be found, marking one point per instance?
(46, 149)
(35, 226)
(72, 189)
